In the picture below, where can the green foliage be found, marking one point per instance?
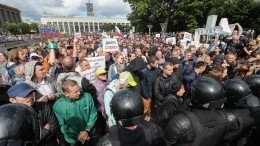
(34, 27)
(24, 27)
(21, 28)
(190, 14)
(12, 27)
(109, 27)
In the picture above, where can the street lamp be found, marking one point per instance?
(150, 27)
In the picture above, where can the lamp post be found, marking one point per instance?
(150, 27)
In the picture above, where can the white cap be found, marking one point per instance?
(34, 55)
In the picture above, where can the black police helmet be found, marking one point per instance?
(19, 125)
(254, 83)
(127, 108)
(207, 93)
(236, 89)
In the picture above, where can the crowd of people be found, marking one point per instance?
(150, 93)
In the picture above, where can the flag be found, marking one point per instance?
(118, 32)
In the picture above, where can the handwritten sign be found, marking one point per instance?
(110, 45)
(171, 40)
(89, 74)
(187, 36)
(97, 62)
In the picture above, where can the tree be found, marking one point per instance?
(34, 27)
(12, 27)
(24, 27)
(190, 14)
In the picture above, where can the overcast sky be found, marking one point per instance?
(34, 9)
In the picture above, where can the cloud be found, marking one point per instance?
(34, 9)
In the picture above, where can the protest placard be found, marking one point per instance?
(110, 45)
(187, 36)
(171, 40)
(89, 74)
(97, 62)
(158, 35)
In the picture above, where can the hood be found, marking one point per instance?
(136, 64)
(29, 70)
(67, 75)
(111, 85)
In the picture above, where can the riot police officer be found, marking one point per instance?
(243, 111)
(254, 83)
(19, 125)
(131, 129)
(204, 125)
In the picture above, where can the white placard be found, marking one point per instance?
(110, 45)
(158, 35)
(171, 40)
(187, 36)
(89, 74)
(97, 62)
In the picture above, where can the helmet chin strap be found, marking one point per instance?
(218, 104)
(131, 122)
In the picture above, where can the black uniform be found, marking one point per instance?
(243, 112)
(204, 125)
(19, 125)
(127, 108)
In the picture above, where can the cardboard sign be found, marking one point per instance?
(78, 34)
(171, 40)
(158, 35)
(187, 36)
(110, 45)
(89, 74)
(97, 62)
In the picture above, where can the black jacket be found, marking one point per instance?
(147, 78)
(4, 99)
(171, 106)
(161, 90)
(146, 134)
(46, 115)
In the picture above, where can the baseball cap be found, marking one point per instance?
(20, 90)
(100, 71)
(34, 55)
(128, 78)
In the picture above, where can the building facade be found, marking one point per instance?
(74, 25)
(9, 14)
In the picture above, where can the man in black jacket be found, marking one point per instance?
(24, 94)
(162, 85)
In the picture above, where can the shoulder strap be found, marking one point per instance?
(110, 90)
(113, 136)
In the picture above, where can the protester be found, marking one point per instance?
(100, 84)
(147, 78)
(117, 67)
(36, 77)
(76, 114)
(24, 94)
